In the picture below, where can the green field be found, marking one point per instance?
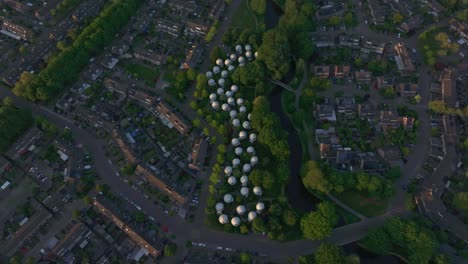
(148, 74)
(245, 18)
(368, 206)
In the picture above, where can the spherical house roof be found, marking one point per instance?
(219, 207)
(242, 134)
(225, 107)
(236, 122)
(241, 60)
(246, 168)
(248, 116)
(228, 170)
(224, 74)
(233, 56)
(219, 62)
(260, 206)
(232, 180)
(254, 160)
(251, 216)
(216, 69)
(231, 101)
(248, 54)
(209, 74)
(235, 162)
(235, 142)
(223, 219)
(227, 62)
(238, 151)
(231, 68)
(228, 198)
(248, 47)
(240, 101)
(238, 48)
(213, 97)
(234, 88)
(233, 113)
(235, 221)
(215, 105)
(211, 82)
(244, 191)
(246, 124)
(253, 137)
(256, 54)
(242, 109)
(221, 82)
(250, 149)
(257, 190)
(228, 93)
(240, 209)
(244, 179)
(220, 91)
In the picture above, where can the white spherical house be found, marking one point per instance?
(213, 97)
(227, 62)
(248, 116)
(246, 168)
(236, 162)
(220, 91)
(219, 208)
(235, 221)
(228, 170)
(233, 113)
(228, 198)
(257, 190)
(240, 101)
(260, 207)
(244, 191)
(228, 94)
(235, 142)
(231, 101)
(248, 47)
(244, 179)
(225, 107)
(234, 88)
(233, 57)
(246, 125)
(242, 109)
(215, 105)
(241, 61)
(224, 74)
(248, 54)
(254, 161)
(216, 70)
(209, 74)
(232, 180)
(236, 122)
(251, 216)
(242, 135)
(223, 219)
(211, 82)
(240, 210)
(238, 151)
(256, 54)
(239, 48)
(219, 62)
(231, 68)
(252, 137)
(251, 150)
(221, 82)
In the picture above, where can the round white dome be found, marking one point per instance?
(219, 62)
(215, 105)
(246, 125)
(235, 221)
(209, 74)
(221, 82)
(242, 109)
(235, 142)
(216, 69)
(248, 54)
(251, 216)
(227, 62)
(248, 116)
(213, 97)
(244, 191)
(253, 137)
(241, 60)
(211, 82)
(233, 113)
(238, 151)
(236, 122)
(232, 180)
(219, 207)
(223, 219)
(257, 190)
(234, 88)
(256, 54)
(240, 101)
(235, 162)
(242, 134)
(233, 56)
(231, 68)
(260, 207)
(240, 209)
(238, 48)
(246, 168)
(228, 170)
(248, 47)
(251, 150)
(254, 160)
(244, 179)
(220, 91)
(225, 107)
(228, 93)
(224, 74)
(228, 198)
(231, 101)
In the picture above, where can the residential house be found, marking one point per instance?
(328, 142)
(342, 71)
(115, 85)
(346, 106)
(16, 31)
(407, 122)
(377, 15)
(142, 97)
(362, 76)
(404, 63)
(44, 13)
(109, 62)
(322, 71)
(368, 161)
(75, 233)
(217, 10)
(384, 83)
(195, 29)
(349, 41)
(198, 155)
(459, 28)
(128, 153)
(391, 155)
(19, 6)
(448, 88)
(149, 56)
(435, 7)
(367, 112)
(388, 119)
(329, 9)
(344, 156)
(167, 113)
(371, 47)
(189, 6)
(168, 26)
(412, 23)
(323, 41)
(325, 113)
(193, 57)
(408, 89)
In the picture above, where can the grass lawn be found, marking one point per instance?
(368, 206)
(245, 18)
(148, 74)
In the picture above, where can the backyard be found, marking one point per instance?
(367, 205)
(148, 74)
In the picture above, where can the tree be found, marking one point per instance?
(334, 20)
(258, 6)
(87, 200)
(170, 249)
(460, 201)
(128, 169)
(348, 19)
(13, 123)
(327, 209)
(275, 52)
(440, 259)
(315, 226)
(397, 18)
(7, 101)
(289, 217)
(329, 254)
(76, 213)
(215, 54)
(258, 226)
(314, 178)
(320, 84)
(245, 258)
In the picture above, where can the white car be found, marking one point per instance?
(219, 248)
(201, 244)
(228, 249)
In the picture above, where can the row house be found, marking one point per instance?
(170, 27)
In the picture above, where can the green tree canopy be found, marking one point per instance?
(314, 178)
(329, 254)
(275, 52)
